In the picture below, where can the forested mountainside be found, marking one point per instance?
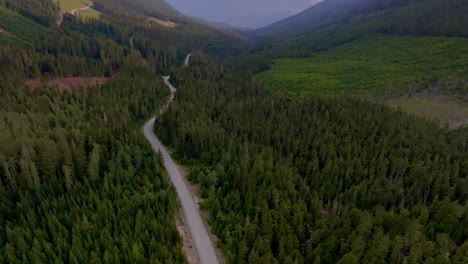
(317, 180)
(323, 14)
(394, 17)
(413, 16)
(408, 54)
(157, 8)
(78, 181)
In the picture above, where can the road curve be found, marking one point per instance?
(201, 239)
(73, 12)
(187, 60)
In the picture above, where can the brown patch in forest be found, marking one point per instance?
(67, 83)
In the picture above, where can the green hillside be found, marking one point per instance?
(325, 13)
(375, 65)
(421, 17)
(17, 29)
(68, 5)
(384, 67)
(43, 12)
(410, 16)
(157, 8)
(392, 49)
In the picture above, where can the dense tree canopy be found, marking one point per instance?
(78, 182)
(318, 180)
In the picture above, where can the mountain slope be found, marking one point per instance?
(422, 17)
(322, 14)
(374, 65)
(399, 51)
(17, 29)
(156, 8)
(432, 17)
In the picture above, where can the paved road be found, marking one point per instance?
(203, 244)
(187, 60)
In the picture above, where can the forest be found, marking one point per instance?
(320, 179)
(78, 181)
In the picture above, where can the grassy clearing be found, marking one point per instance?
(89, 13)
(440, 109)
(68, 5)
(373, 66)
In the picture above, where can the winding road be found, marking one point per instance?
(200, 235)
(73, 12)
(187, 60)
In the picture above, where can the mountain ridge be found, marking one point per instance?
(394, 16)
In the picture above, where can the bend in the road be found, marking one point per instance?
(200, 235)
(187, 60)
(73, 12)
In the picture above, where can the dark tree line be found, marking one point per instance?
(446, 18)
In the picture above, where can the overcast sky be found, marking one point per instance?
(242, 13)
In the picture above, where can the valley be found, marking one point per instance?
(337, 135)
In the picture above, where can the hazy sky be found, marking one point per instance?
(242, 13)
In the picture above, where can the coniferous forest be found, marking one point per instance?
(318, 180)
(78, 181)
(313, 179)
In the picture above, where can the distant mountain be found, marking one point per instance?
(435, 17)
(322, 14)
(334, 22)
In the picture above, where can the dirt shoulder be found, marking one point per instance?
(187, 240)
(195, 193)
